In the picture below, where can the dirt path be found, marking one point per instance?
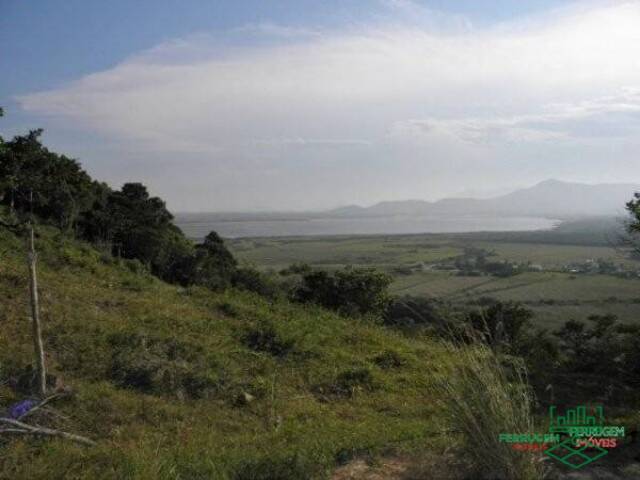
(388, 469)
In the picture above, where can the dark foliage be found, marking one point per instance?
(135, 225)
(633, 207)
(265, 338)
(212, 265)
(632, 240)
(602, 348)
(390, 359)
(128, 223)
(349, 382)
(253, 280)
(159, 366)
(413, 312)
(502, 324)
(35, 180)
(351, 291)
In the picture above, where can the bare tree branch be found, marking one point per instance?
(22, 428)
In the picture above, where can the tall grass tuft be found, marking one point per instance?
(483, 397)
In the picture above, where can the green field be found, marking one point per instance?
(553, 294)
(380, 251)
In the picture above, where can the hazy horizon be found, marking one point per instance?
(469, 196)
(308, 106)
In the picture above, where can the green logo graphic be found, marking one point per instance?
(575, 439)
(587, 436)
(575, 417)
(567, 453)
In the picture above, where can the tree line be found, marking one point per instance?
(130, 223)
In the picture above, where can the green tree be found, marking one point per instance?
(352, 291)
(33, 179)
(129, 222)
(633, 225)
(502, 324)
(213, 265)
(575, 339)
(136, 225)
(633, 207)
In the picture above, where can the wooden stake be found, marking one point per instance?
(35, 317)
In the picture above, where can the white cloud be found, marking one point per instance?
(552, 81)
(275, 30)
(612, 116)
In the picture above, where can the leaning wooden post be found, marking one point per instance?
(35, 316)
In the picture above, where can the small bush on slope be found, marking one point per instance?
(265, 338)
(161, 366)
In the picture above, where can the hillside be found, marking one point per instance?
(551, 198)
(186, 383)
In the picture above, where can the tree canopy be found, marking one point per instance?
(352, 291)
(632, 240)
(35, 180)
(633, 207)
(130, 223)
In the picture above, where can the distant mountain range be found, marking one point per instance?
(551, 198)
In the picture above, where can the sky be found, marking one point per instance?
(305, 105)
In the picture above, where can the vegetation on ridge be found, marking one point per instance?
(189, 383)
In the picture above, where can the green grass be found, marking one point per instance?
(386, 250)
(327, 398)
(322, 388)
(373, 250)
(552, 256)
(484, 399)
(553, 297)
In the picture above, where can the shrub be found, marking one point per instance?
(390, 359)
(265, 338)
(213, 266)
(349, 382)
(500, 269)
(351, 291)
(228, 309)
(135, 266)
(160, 366)
(250, 279)
(502, 325)
(600, 356)
(413, 312)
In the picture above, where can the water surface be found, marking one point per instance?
(235, 226)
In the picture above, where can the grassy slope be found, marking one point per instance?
(296, 421)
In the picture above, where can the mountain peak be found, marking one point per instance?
(551, 182)
(550, 198)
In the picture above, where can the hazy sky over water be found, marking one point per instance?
(307, 105)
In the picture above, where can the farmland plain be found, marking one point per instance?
(548, 283)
